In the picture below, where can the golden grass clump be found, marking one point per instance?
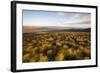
(56, 46)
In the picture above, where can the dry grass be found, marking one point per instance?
(56, 46)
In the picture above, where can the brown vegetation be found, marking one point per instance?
(56, 46)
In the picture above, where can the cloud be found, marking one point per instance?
(80, 20)
(60, 19)
(61, 13)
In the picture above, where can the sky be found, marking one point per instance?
(56, 18)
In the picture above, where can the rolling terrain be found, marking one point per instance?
(56, 44)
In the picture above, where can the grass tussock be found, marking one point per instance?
(56, 46)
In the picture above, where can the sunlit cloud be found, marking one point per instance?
(59, 19)
(80, 19)
(61, 13)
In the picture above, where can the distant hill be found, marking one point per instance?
(54, 29)
(73, 30)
